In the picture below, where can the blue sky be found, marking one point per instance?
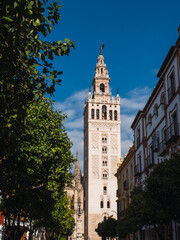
(137, 36)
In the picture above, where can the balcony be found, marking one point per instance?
(171, 92)
(137, 170)
(149, 161)
(162, 147)
(126, 184)
(172, 132)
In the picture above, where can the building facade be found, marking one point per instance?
(76, 194)
(126, 182)
(102, 150)
(157, 126)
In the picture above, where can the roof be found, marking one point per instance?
(166, 60)
(136, 118)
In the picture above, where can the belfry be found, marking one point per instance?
(102, 150)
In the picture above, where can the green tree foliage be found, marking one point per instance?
(159, 203)
(135, 214)
(107, 228)
(25, 60)
(33, 180)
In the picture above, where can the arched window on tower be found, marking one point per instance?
(108, 204)
(92, 113)
(101, 70)
(101, 204)
(97, 113)
(105, 190)
(105, 175)
(104, 114)
(115, 115)
(102, 87)
(104, 150)
(110, 115)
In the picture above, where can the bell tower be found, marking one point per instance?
(102, 150)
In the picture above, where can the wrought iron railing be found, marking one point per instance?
(162, 147)
(149, 161)
(172, 131)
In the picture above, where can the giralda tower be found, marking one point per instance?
(102, 150)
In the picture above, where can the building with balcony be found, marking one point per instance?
(157, 127)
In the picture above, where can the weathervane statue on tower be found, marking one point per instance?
(101, 48)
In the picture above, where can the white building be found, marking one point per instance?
(102, 150)
(157, 126)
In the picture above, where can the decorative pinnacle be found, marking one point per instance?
(101, 48)
(89, 88)
(76, 154)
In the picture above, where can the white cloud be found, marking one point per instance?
(73, 106)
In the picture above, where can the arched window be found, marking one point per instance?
(156, 110)
(105, 190)
(97, 113)
(115, 115)
(150, 119)
(104, 149)
(105, 175)
(162, 102)
(104, 115)
(104, 163)
(101, 204)
(104, 139)
(108, 204)
(110, 114)
(101, 70)
(92, 113)
(102, 87)
(105, 218)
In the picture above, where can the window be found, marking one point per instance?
(104, 139)
(104, 115)
(105, 218)
(105, 175)
(115, 115)
(156, 111)
(108, 204)
(104, 163)
(102, 87)
(101, 204)
(97, 113)
(92, 113)
(171, 89)
(162, 102)
(104, 190)
(104, 150)
(150, 120)
(110, 114)
(138, 137)
(101, 70)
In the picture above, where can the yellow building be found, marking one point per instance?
(126, 182)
